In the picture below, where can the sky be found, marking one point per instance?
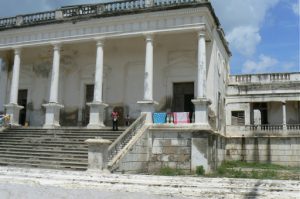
(263, 34)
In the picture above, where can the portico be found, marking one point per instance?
(57, 76)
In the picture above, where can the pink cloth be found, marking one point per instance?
(181, 117)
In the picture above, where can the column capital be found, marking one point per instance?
(56, 45)
(149, 36)
(100, 42)
(201, 31)
(17, 50)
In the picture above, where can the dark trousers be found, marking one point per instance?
(115, 125)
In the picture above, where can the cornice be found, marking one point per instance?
(175, 20)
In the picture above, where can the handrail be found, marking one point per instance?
(125, 137)
(91, 10)
(266, 127)
(293, 126)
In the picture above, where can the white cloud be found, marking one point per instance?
(264, 64)
(245, 39)
(242, 21)
(296, 8)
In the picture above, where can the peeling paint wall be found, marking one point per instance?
(174, 61)
(275, 150)
(175, 149)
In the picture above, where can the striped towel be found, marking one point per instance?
(159, 118)
(181, 117)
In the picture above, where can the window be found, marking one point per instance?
(238, 118)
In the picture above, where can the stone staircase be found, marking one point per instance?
(52, 149)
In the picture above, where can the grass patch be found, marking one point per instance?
(238, 169)
(200, 171)
(167, 171)
(255, 165)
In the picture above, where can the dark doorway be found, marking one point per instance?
(263, 108)
(183, 93)
(22, 101)
(89, 97)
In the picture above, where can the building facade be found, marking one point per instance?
(74, 65)
(129, 55)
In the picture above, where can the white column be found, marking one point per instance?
(284, 115)
(148, 82)
(148, 104)
(13, 109)
(99, 72)
(15, 78)
(53, 107)
(201, 102)
(55, 74)
(97, 107)
(201, 68)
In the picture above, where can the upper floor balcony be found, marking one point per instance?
(263, 78)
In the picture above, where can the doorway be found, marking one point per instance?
(183, 93)
(263, 109)
(89, 97)
(22, 101)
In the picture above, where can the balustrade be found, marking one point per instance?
(7, 22)
(125, 137)
(93, 9)
(293, 127)
(279, 76)
(243, 78)
(260, 78)
(38, 17)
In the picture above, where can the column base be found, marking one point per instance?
(148, 107)
(201, 110)
(52, 115)
(13, 110)
(96, 115)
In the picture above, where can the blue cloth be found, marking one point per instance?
(159, 118)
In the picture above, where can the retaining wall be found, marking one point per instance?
(276, 150)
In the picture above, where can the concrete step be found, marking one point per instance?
(41, 151)
(43, 145)
(57, 149)
(44, 165)
(69, 138)
(48, 157)
(43, 154)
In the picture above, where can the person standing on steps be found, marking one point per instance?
(115, 117)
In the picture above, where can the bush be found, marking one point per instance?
(167, 171)
(200, 171)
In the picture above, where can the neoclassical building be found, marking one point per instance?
(72, 66)
(65, 67)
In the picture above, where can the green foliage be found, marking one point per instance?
(200, 171)
(230, 164)
(238, 169)
(167, 171)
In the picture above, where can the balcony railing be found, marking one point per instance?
(293, 127)
(265, 130)
(91, 10)
(265, 127)
(264, 78)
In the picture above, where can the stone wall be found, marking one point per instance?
(175, 148)
(136, 160)
(170, 149)
(276, 150)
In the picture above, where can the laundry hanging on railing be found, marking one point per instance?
(181, 117)
(159, 118)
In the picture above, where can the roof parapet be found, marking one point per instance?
(92, 10)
